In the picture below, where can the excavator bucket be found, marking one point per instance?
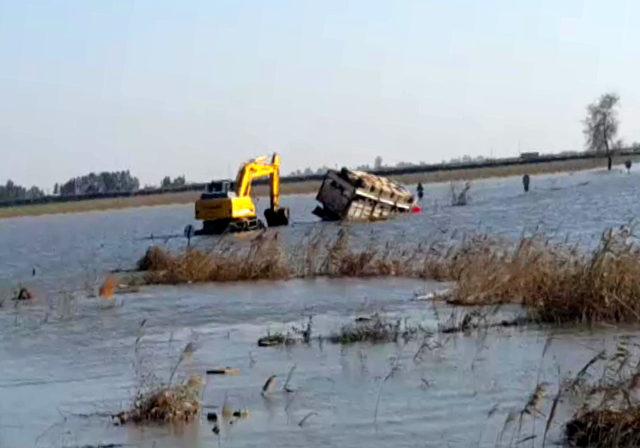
(277, 217)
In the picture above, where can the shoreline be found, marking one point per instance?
(311, 186)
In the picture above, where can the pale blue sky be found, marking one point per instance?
(196, 87)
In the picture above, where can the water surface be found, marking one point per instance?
(66, 364)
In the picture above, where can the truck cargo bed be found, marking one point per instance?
(359, 196)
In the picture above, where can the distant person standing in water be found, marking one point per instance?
(525, 182)
(627, 165)
(609, 163)
(420, 190)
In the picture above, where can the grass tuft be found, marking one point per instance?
(375, 330)
(169, 404)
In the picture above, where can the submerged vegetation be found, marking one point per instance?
(374, 329)
(554, 282)
(382, 329)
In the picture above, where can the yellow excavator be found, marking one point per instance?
(223, 210)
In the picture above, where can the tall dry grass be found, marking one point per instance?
(608, 412)
(264, 259)
(555, 283)
(559, 284)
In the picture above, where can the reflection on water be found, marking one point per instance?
(64, 365)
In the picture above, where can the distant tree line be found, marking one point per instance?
(92, 183)
(176, 182)
(309, 171)
(11, 191)
(378, 164)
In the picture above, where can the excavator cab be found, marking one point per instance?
(222, 209)
(217, 189)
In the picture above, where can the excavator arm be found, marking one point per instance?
(274, 182)
(260, 168)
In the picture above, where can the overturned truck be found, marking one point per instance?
(360, 196)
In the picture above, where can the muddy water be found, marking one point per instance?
(66, 364)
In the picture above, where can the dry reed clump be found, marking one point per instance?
(169, 404)
(557, 284)
(429, 261)
(486, 275)
(554, 282)
(610, 413)
(605, 428)
(264, 259)
(155, 259)
(189, 266)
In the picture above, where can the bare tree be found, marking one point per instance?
(601, 123)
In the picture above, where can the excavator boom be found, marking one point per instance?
(260, 168)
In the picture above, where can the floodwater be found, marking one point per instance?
(68, 359)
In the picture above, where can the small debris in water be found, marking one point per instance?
(224, 371)
(425, 383)
(227, 411)
(286, 387)
(306, 417)
(212, 417)
(269, 385)
(242, 413)
(272, 340)
(108, 287)
(103, 445)
(24, 294)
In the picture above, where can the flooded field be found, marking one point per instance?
(69, 359)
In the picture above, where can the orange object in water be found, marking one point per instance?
(108, 287)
